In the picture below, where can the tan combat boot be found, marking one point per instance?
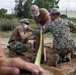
(68, 56)
(54, 60)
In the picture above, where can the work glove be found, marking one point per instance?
(35, 31)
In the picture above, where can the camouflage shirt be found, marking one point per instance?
(60, 28)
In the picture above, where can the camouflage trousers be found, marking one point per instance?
(62, 52)
(19, 46)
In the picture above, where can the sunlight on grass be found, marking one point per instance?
(6, 34)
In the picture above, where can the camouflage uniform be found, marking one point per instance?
(62, 41)
(19, 46)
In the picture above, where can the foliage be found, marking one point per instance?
(6, 34)
(19, 8)
(54, 3)
(43, 4)
(6, 24)
(2, 13)
(72, 19)
(22, 7)
(32, 23)
(10, 16)
(10, 24)
(63, 16)
(16, 22)
(26, 7)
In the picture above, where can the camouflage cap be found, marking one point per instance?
(54, 10)
(25, 20)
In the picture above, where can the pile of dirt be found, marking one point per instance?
(67, 67)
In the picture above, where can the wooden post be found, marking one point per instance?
(38, 42)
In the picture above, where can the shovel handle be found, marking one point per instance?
(39, 53)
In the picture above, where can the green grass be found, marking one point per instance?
(7, 34)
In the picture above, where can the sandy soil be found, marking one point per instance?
(68, 67)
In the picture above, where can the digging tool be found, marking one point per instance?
(38, 57)
(47, 70)
(37, 44)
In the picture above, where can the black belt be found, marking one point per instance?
(11, 41)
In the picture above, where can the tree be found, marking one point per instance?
(47, 3)
(54, 3)
(3, 12)
(26, 7)
(22, 7)
(19, 8)
(43, 4)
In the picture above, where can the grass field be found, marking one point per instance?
(6, 34)
(47, 35)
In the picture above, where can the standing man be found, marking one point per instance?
(42, 18)
(40, 15)
(18, 41)
(63, 43)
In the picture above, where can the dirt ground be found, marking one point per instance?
(67, 67)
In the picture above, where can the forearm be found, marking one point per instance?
(46, 29)
(29, 28)
(47, 19)
(25, 36)
(31, 38)
(45, 24)
(38, 24)
(28, 36)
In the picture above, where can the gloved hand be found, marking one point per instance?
(29, 28)
(35, 31)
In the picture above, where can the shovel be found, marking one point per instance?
(47, 70)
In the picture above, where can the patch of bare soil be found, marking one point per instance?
(68, 67)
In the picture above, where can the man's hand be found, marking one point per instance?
(29, 28)
(43, 26)
(13, 66)
(35, 31)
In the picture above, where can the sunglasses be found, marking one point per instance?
(26, 23)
